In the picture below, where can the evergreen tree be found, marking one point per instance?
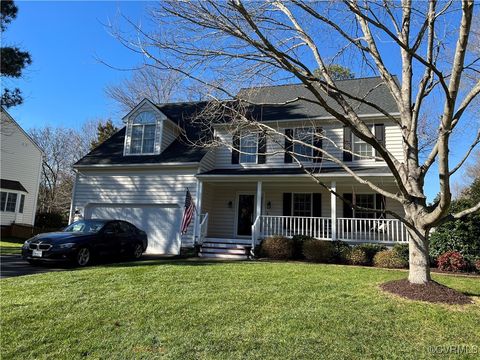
(104, 131)
(14, 60)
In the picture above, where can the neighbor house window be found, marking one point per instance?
(22, 204)
(248, 148)
(303, 152)
(143, 133)
(4, 201)
(301, 204)
(365, 201)
(11, 202)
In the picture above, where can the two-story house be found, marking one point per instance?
(250, 188)
(20, 170)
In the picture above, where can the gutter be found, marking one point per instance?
(123, 166)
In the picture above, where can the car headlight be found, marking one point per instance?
(66, 245)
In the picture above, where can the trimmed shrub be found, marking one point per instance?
(370, 251)
(389, 259)
(476, 265)
(452, 261)
(318, 250)
(340, 251)
(277, 247)
(357, 256)
(298, 241)
(402, 251)
(462, 236)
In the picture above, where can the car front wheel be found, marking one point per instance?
(83, 257)
(137, 251)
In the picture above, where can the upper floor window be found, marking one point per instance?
(361, 148)
(303, 152)
(248, 148)
(143, 133)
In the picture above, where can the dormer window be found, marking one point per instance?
(143, 133)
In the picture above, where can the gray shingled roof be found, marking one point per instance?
(372, 89)
(111, 151)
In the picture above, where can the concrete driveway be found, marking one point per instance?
(14, 265)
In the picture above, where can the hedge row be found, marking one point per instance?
(338, 252)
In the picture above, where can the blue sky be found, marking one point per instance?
(65, 84)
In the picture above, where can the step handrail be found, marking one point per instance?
(203, 229)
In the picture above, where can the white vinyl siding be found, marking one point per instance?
(21, 161)
(170, 133)
(333, 143)
(160, 187)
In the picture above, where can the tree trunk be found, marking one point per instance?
(419, 260)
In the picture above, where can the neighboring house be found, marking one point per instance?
(20, 171)
(142, 172)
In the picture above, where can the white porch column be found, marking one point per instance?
(196, 225)
(333, 210)
(259, 199)
(258, 209)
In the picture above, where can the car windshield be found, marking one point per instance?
(87, 226)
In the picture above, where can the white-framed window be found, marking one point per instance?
(361, 148)
(22, 204)
(365, 201)
(303, 152)
(248, 148)
(142, 140)
(302, 204)
(8, 201)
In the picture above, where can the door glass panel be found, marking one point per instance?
(245, 214)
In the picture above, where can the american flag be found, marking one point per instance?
(188, 211)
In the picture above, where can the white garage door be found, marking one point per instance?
(160, 222)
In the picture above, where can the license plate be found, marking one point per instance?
(37, 253)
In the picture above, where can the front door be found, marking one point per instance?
(246, 205)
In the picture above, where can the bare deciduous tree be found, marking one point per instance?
(238, 42)
(62, 148)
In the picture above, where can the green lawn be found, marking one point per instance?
(10, 246)
(214, 310)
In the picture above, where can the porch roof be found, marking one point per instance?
(324, 171)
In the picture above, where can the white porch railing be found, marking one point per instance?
(371, 230)
(203, 228)
(317, 227)
(347, 229)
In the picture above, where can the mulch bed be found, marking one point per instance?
(431, 292)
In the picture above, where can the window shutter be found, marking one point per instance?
(235, 148)
(347, 143)
(317, 205)
(262, 148)
(287, 204)
(347, 209)
(379, 205)
(318, 143)
(288, 145)
(380, 136)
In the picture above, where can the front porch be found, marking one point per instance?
(249, 211)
